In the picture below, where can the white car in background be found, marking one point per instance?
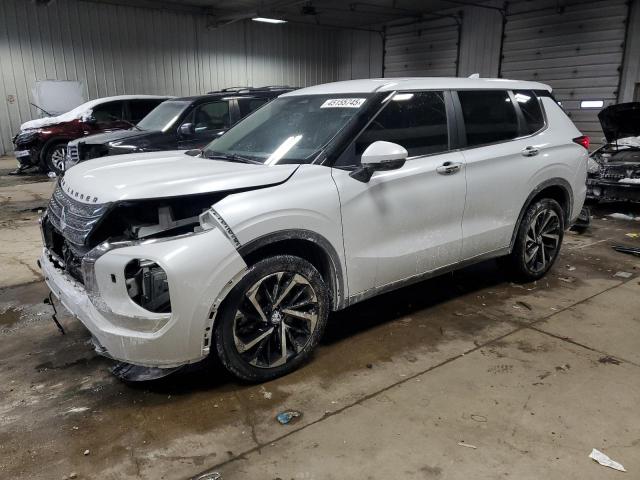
(326, 196)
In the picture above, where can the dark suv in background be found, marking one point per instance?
(178, 124)
(43, 142)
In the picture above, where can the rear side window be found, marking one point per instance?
(417, 121)
(489, 116)
(248, 105)
(531, 110)
(138, 109)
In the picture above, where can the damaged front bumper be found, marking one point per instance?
(611, 190)
(200, 269)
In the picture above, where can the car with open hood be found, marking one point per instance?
(324, 197)
(178, 124)
(43, 142)
(614, 168)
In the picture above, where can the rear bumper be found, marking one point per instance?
(200, 270)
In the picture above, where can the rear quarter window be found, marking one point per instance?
(489, 116)
(531, 110)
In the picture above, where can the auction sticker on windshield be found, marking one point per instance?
(343, 103)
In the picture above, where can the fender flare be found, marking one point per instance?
(551, 182)
(337, 278)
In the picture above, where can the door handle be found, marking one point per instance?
(448, 168)
(530, 151)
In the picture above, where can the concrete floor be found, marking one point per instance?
(533, 375)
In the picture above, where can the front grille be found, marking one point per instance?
(73, 219)
(73, 153)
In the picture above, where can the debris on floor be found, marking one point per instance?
(632, 235)
(624, 216)
(623, 274)
(629, 250)
(287, 416)
(605, 461)
(210, 476)
(468, 445)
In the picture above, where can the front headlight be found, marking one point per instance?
(592, 166)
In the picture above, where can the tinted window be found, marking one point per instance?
(489, 116)
(211, 116)
(417, 121)
(108, 112)
(138, 109)
(248, 105)
(531, 110)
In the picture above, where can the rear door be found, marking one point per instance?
(501, 155)
(407, 221)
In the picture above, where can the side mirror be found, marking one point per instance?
(380, 156)
(187, 129)
(90, 120)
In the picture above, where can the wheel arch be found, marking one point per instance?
(307, 245)
(556, 188)
(47, 145)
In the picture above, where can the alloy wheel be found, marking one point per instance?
(57, 158)
(275, 320)
(542, 240)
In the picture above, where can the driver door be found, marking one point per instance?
(408, 221)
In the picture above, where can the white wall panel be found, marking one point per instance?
(115, 49)
(577, 49)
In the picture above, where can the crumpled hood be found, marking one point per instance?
(620, 121)
(164, 174)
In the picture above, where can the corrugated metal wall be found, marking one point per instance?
(577, 50)
(120, 49)
(427, 48)
(481, 39)
(359, 54)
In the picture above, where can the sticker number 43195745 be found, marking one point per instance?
(343, 103)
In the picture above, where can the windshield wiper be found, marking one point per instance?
(230, 157)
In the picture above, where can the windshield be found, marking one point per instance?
(288, 129)
(163, 116)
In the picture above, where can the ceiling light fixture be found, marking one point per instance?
(268, 20)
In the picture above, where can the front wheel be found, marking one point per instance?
(538, 240)
(54, 158)
(272, 319)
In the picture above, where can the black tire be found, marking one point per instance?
(54, 157)
(240, 323)
(533, 256)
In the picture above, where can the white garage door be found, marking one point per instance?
(577, 49)
(428, 48)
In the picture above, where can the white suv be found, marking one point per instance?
(320, 199)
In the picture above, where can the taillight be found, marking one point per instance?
(583, 141)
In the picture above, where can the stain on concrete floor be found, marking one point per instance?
(58, 399)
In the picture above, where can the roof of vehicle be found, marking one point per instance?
(417, 83)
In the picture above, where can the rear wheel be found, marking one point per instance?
(273, 319)
(538, 241)
(54, 157)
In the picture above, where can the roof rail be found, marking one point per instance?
(266, 88)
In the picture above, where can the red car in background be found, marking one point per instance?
(42, 142)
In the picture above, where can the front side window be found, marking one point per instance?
(417, 121)
(531, 110)
(108, 112)
(163, 116)
(489, 116)
(138, 109)
(291, 129)
(211, 116)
